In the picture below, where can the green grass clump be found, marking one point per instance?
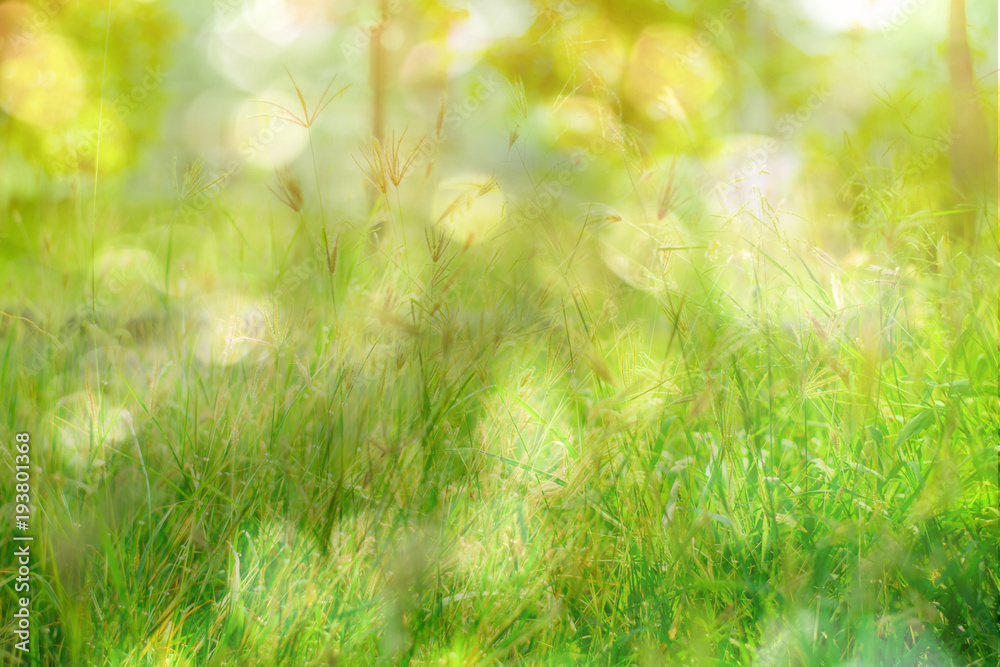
(501, 452)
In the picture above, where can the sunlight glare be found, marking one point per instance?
(485, 23)
(468, 205)
(261, 132)
(230, 327)
(84, 426)
(670, 74)
(580, 120)
(846, 15)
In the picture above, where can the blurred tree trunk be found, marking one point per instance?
(378, 74)
(377, 79)
(971, 154)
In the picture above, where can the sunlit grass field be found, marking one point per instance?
(378, 405)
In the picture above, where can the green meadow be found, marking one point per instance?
(525, 333)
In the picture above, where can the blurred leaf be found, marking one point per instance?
(915, 427)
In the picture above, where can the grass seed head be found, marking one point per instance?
(374, 168)
(289, 190)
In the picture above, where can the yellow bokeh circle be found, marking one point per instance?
(41, 81)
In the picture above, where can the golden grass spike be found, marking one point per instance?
(331, 255)
(440, 120)
(289, 190)
(514, 134)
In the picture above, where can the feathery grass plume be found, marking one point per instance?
(383, 162)
(437, 240)
(308, 118)
(397, 168)
(289, 189)
(195, 180)
(306, 121)
(375, 168)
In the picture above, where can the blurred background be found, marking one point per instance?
(808, 103)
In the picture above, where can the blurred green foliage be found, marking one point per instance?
(640, 332)
(69, 72)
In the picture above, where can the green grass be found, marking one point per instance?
(556, 410)
(501, 452)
